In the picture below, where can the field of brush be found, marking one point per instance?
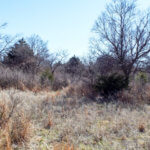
(58, 121)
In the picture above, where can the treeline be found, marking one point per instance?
(28, 63)
(120, 48)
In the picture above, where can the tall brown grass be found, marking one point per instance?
(64, 146)
(17, 79)
(137, 94)
(15, 127)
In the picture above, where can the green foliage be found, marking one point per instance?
(142, 78)
(46, 76)
(18, 54)
(74, 66)
(21, 56)
(111, 84)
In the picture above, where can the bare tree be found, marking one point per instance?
(105, 64)
(5, 41)
(45, 58)
(39, 48)
(56, 59)
(123, 32)
(38, 45)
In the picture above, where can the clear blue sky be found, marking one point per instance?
(65, 24)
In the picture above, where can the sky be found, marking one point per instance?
(65, 24)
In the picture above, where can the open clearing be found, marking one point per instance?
(59, 122)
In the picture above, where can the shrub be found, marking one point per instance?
(110, 84)
(59, 84)
(142, 78)
(137, 95)
(46, 77)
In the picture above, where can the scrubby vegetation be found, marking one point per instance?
(111, 84)
(102, 103)
(63, 119)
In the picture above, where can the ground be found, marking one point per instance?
(59, 121)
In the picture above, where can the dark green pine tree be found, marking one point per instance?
(19, 53)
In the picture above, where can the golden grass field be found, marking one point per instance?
(58, 121)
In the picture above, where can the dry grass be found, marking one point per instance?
(17, 79)
(137, 95)
(15, 127)
(62, 120)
